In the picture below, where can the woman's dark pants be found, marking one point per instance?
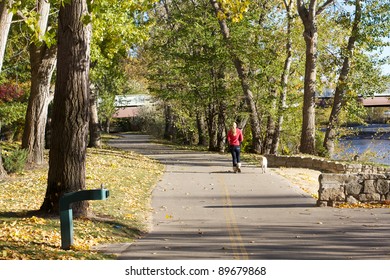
(235, 151)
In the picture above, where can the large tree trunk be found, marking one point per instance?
(5, 24)
(284, 79)
(70, 109)
(43, 60)
(242, 74)
(310, 34)
(94, 127)
(308, 114)
(341, 87)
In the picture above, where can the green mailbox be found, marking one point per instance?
(66, 214)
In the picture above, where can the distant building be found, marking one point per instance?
(129, 105)
(324, 98)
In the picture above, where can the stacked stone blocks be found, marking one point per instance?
(353, 188)
(342, 182)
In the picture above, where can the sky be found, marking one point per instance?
(386, 68)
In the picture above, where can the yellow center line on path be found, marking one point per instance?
(239, 250)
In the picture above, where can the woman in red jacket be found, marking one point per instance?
(234, 139)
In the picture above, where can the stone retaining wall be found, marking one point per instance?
(324, 165)
(342, 182)
(353, 188)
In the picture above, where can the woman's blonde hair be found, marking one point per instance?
(234, 130)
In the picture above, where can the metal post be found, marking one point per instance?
(66, 213)
(66, 220)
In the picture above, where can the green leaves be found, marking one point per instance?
(12, 113)
(118, 26)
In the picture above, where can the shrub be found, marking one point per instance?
(10, 92)
(15, 161)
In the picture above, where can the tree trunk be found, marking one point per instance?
(270, 125)
(70, 109)
(212, 127)
(242, 74)
(5, 24)
(42, 61)
(221, 130)
(48, 131)
(94, 127)
(107, 125)
(200, 123)
(222, 107)
(308, 114)
(284, 80)
(341, 87)
(169, 123)
(3, 173)
(270, 135)
(310, 34)
(242, 120)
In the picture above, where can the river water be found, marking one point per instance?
(371, 143)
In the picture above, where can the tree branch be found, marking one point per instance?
(301, 5)
(302, 10)
(324, 6)
(21, 15)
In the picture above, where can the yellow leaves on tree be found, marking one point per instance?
(233, 9)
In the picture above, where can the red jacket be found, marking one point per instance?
(235, 140)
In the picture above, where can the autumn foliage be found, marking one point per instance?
(10, 92)
(130, 179)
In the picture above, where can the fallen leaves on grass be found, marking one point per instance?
(129, 177)
(384, 204)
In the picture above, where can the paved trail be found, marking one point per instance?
(204, 211)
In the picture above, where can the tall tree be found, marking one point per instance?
(118, 26)
(242, 72)
(184, 57)
(288, 4)
(5, 24)
(70, 109)
(370, 21)
(43, 54)
(309, 13)
(342, 83)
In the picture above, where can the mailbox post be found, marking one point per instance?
(66, 213)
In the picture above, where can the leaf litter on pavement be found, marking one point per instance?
(129, 177)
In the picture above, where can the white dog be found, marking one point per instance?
(263, 164)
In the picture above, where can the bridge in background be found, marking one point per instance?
(130, 105)
(378, 100)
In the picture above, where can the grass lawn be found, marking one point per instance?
(130, 179)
